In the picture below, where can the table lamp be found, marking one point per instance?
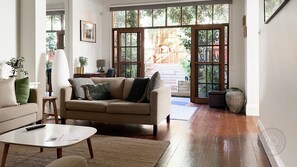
(100, 65)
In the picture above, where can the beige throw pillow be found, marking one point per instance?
(7, 93)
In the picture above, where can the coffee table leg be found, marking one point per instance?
(59, 153)
(4, 156)
(90, 147)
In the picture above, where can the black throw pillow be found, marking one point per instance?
(138, 89)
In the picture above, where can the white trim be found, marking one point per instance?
(274, 158)
(252, 110)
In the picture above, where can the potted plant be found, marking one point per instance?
(17, 65)
(83, 61)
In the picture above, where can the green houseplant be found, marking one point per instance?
(83, 61)
(17, 65)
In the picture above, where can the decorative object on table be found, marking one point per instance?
(100, 65)
(60, 73)
(272, 7)
(110, 72)
(235, 99)
(17, 65)
(83, 61)
(87, 31)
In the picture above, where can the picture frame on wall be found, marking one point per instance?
(87, 31)
(272, 7)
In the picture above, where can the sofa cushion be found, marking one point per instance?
(138, 90)
(126, 107)
(22, 90)
(116, 85)
(99, 91)
(127, 87)
(154, 83)
(77, 84)
(9, 113)
(7, 93)
(85, 105)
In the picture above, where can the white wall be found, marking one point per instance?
(32, 38)
(8, 33)
(237, 46)
(87, 10)
(278, 78)
(252, 57)
(237, 55)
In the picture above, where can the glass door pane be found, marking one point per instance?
(129, 61)
(207, 61)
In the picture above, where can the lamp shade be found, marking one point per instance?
(100, 63)
(60, 73)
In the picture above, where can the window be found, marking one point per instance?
(212, 59)
(172, 16)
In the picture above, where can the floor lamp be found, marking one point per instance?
(60, 73)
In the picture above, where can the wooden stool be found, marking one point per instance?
(50, 99)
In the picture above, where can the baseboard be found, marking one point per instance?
(274, 158)
(252, 110)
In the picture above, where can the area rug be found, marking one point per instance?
(179, 100)
(182, 112)
(108, 151)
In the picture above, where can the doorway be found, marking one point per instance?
(207, 61)
(163, 52)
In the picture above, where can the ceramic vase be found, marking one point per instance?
(235, 99)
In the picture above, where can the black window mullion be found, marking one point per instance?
(152, 17)
(196, 11)
(166, 17)
(181, 16)
(125, 18)
(212, 13)
(138, 54)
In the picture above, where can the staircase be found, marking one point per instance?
(170, 73)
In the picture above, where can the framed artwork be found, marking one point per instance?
(87, 31)
(272, 7)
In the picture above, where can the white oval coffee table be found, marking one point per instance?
(51, 136)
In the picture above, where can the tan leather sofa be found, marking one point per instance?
(117, 110)
(17, 116)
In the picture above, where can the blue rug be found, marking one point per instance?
(182, 103)
(179, 100)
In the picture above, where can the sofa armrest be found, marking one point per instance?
(65, 95)
(160, 103)
(36, 97)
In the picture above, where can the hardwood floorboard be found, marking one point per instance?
(212, 137)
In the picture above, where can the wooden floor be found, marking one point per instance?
(213, 137)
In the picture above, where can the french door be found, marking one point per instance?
(207, 61)
(128, 52)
